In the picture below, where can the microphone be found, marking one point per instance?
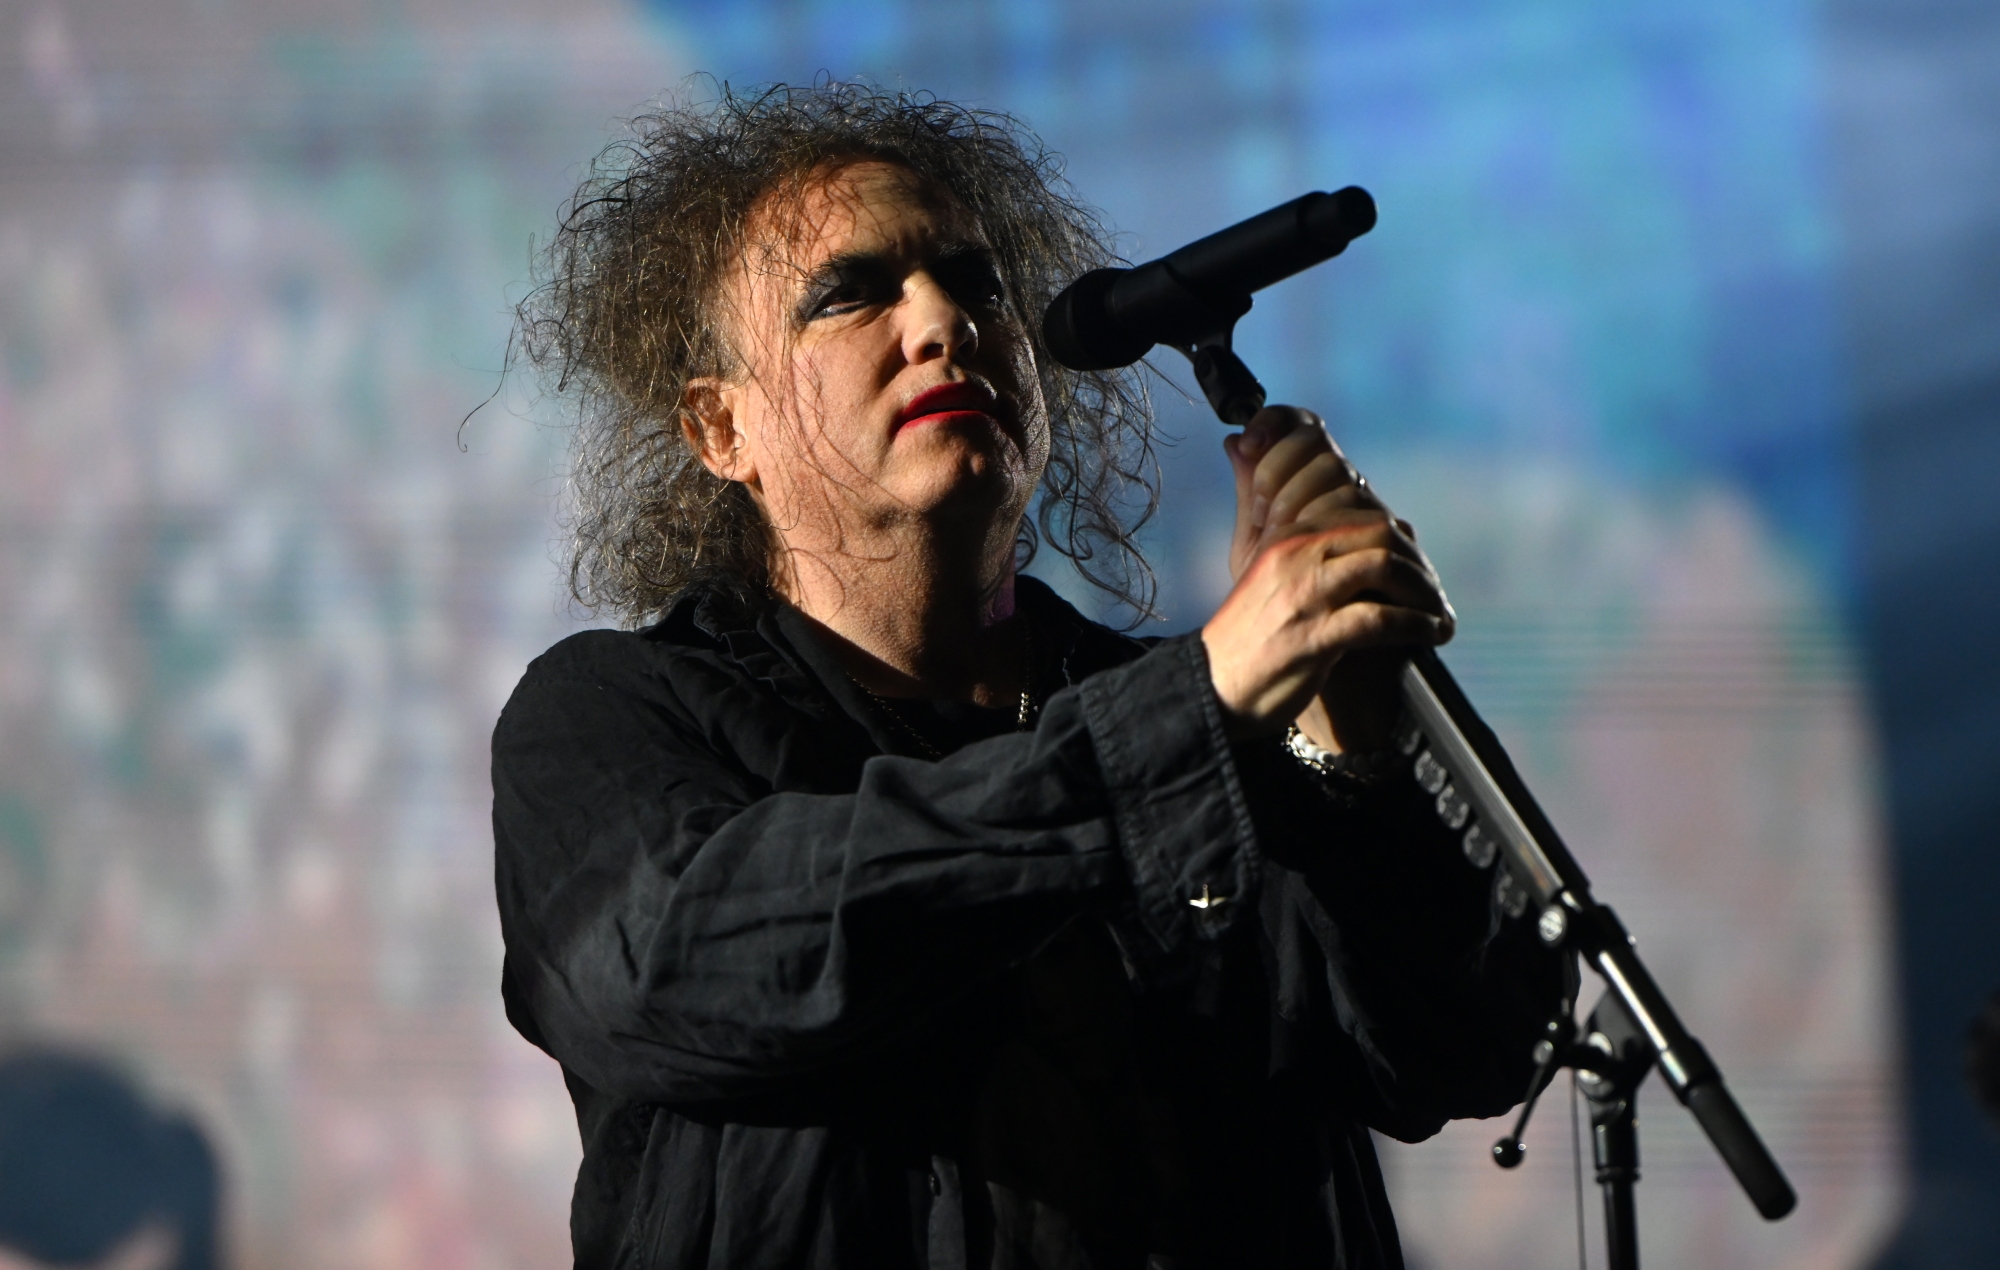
(1111, 317)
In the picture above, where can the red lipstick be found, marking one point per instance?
(936, 405)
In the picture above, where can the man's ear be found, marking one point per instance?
(710, 414)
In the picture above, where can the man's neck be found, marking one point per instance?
(917, 621)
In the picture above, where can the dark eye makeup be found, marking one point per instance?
(846, 283)
(970, 276)
(849, 283)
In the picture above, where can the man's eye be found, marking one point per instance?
(841, 299)
(973, 285)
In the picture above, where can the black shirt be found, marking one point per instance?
(1111, 993)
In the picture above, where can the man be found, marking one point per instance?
(881, 910)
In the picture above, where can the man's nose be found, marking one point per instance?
(935, 324)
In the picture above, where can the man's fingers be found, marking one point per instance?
(1348, 509)
(1243, 466)
(1322, 473)
(1371, 624)
(1286, 459)
(1334, 528)
(1380, 574)
(1271, 423)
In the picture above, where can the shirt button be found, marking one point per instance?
(937, 1183)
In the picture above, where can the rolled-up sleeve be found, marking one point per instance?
(676, 930)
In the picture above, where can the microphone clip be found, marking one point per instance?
(1228, 384)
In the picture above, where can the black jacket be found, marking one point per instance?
(822, 1003)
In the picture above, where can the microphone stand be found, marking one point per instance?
(1457, 758)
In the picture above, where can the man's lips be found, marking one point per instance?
(933, 404)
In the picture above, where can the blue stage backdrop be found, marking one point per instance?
(261, 596)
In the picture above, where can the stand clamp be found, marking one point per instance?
(1612, 1058)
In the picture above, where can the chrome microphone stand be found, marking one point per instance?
(1457, 758)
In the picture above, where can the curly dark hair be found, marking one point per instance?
(624, 316)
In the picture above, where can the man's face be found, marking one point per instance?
(884, 377)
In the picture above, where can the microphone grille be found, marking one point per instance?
(1078, 331)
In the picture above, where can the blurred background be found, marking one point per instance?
(1679, 340)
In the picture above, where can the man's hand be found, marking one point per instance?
(1331, 592)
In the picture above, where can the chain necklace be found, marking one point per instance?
(888, 708)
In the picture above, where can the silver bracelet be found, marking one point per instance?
(1349, 772)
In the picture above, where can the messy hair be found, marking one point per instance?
(625, 315)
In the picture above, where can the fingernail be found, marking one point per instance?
(1260, 507)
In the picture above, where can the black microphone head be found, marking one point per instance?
(1353, 211)
(1110, 317)
(1078, 331)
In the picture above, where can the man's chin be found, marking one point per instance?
(976, 495)
(979, 468)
